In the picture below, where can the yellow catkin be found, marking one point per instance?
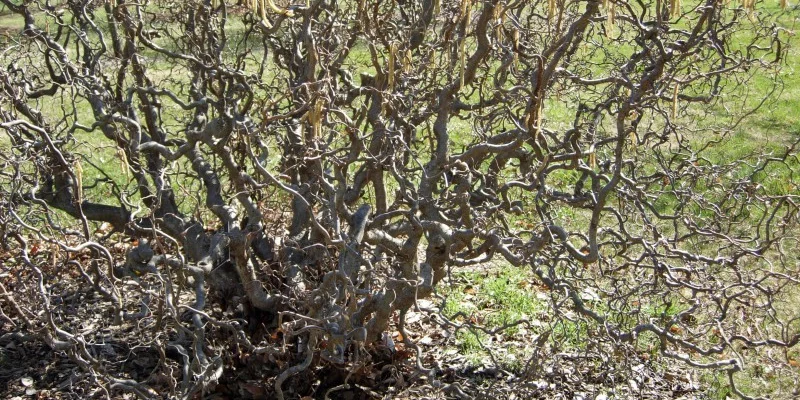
(551, 9)
(78, 171)
(678, 7)
(362, 11)
(592, 159)
(539, 120)
(313, 116)
(499, 18)
(392, 60)
(123, 162)
(467, 13)
(464, 7)
(515, 38)
(316, 118)
(261, 6)
(263, 10)
(613, 13)
(408, 59)
(610, 19)
(675, 7)
(499, 13)
(279, 10)
(784, 4)
(675, 100)
(515, 46)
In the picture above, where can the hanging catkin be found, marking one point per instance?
(499, 19)
(279, 10)
(407, 60)
(515, 38)
(539, 119)
(315, 117)
(263, 8)
(260, 7)
(675, 7)
(610, 19)
(632, 138)
(551, 9)
(123, 162)
(466, 9)
(515, 45)
(79, 180)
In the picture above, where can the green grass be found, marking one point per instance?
(492, 299)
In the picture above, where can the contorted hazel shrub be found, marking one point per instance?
(277, 185)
